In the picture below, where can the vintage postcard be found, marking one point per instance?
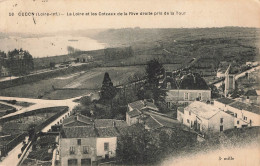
(120, 82)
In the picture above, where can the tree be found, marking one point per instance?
(52, 65)
(154, 72)
(19, 62)
(214, 91)
(136, 146)
(108, 91)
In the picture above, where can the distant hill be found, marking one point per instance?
(232, 44)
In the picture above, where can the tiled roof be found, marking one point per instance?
(167, 122)
(78, 132)
(78, 118)
(151, 123)
(134, 113)
(246, 107)
(151, 105)
(137, 104)
(252, 93)
(104, 123)
(140, 104)
(108, 132)
(202, 109)
(76, 123)
(193, 81)
(225, 100)
(181, 109)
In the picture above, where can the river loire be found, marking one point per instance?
(50, 45)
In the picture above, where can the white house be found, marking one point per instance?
(245, 114)
(85, 142)
(205, 118)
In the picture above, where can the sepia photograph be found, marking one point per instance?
(129, 83)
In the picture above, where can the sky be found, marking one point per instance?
(198, 13)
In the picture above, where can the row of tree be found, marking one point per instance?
(17, 61)
(118, 53)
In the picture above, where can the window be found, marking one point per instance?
(186, 96)
(168, 105)
(85, 149)
(106, 146)
(79, 141)
(72, 150)
(221, 128)
(189, 113)
(72, 162)
(188, 121)
(221, 120)
(245, 118)
(238, 122)
(85, 162)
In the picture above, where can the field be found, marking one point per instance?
(232, 44)
(91, 79)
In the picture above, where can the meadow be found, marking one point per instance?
(82, 83)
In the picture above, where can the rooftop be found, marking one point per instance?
(152, 123)
(78, 120)
(193, 81)
(253, 92)
(134, 113)
(105, 123)
(108, 132)
(203, 110)
(78, 132)
(246, 107)
(181, 109)
(140, 104)
(225, 100)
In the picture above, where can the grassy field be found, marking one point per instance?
(91, 79)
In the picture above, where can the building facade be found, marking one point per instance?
(245, 114)
(205, 118)
(86, 142)
(185, 89)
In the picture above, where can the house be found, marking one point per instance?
(189, 88)
(223, 103)
(4, 72)
(149, 116)
(107, 137)
(84, 141)
(84, 58)
(77, 146)
(245, 114)
(253, 96)
(205, 118)
(135, 110)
